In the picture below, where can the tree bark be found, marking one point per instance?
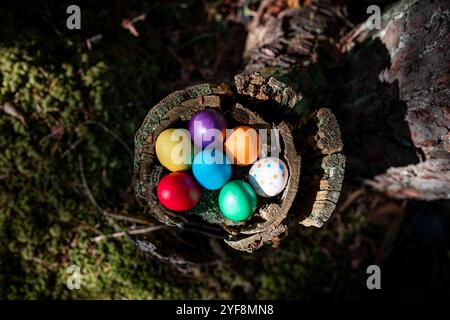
(416, 36)
(389, 88)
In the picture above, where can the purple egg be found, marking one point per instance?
(201, 128)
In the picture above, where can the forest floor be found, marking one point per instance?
(73, 101)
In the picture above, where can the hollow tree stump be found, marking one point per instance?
(262, 103)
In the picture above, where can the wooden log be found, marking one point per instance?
(323, 173)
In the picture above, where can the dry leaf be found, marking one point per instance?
(127, 24)
(57, 131)
(12, 111)
(351, 198)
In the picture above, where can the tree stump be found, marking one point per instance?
(262, 103)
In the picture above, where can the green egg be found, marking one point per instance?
(237, 200)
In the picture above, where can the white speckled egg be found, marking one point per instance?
(268, 176)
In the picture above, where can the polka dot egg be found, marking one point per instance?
(268, 176)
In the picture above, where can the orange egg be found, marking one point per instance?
(242, 145)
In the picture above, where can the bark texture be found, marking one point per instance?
(389, 88)
(416, 36)
(293, 38)
(324, 169)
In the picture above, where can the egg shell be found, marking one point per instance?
(268, 176)
(211, 169)
(237, 200)
(207, 128)
(178, 191)
(242, 145)
(174, 149)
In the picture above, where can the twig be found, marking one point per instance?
(107, 215)
(72, 147)
(92, 40)
(46, 264)
(57, 131)
(348, 40)
(129, 24)
(130, 219)
(88, 227)
(91, 197)
(140, 17)
(351, 198)
(9, 109)
(129, 232)
(46, 18)
(211, 235)
(106, 129)
(203, 226)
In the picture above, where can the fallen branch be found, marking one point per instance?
(130, 219)
(128, 233)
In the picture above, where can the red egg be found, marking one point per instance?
(178, 191)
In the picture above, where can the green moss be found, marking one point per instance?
(62, 90)
(71, 99)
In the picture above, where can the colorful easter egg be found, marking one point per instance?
(174, 149)
(211, 168)
(207, 127)
(242, 145)
(178, 191)
(268, 176)
(237, 200)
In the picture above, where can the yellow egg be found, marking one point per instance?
(174, 149)
(243, 145)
